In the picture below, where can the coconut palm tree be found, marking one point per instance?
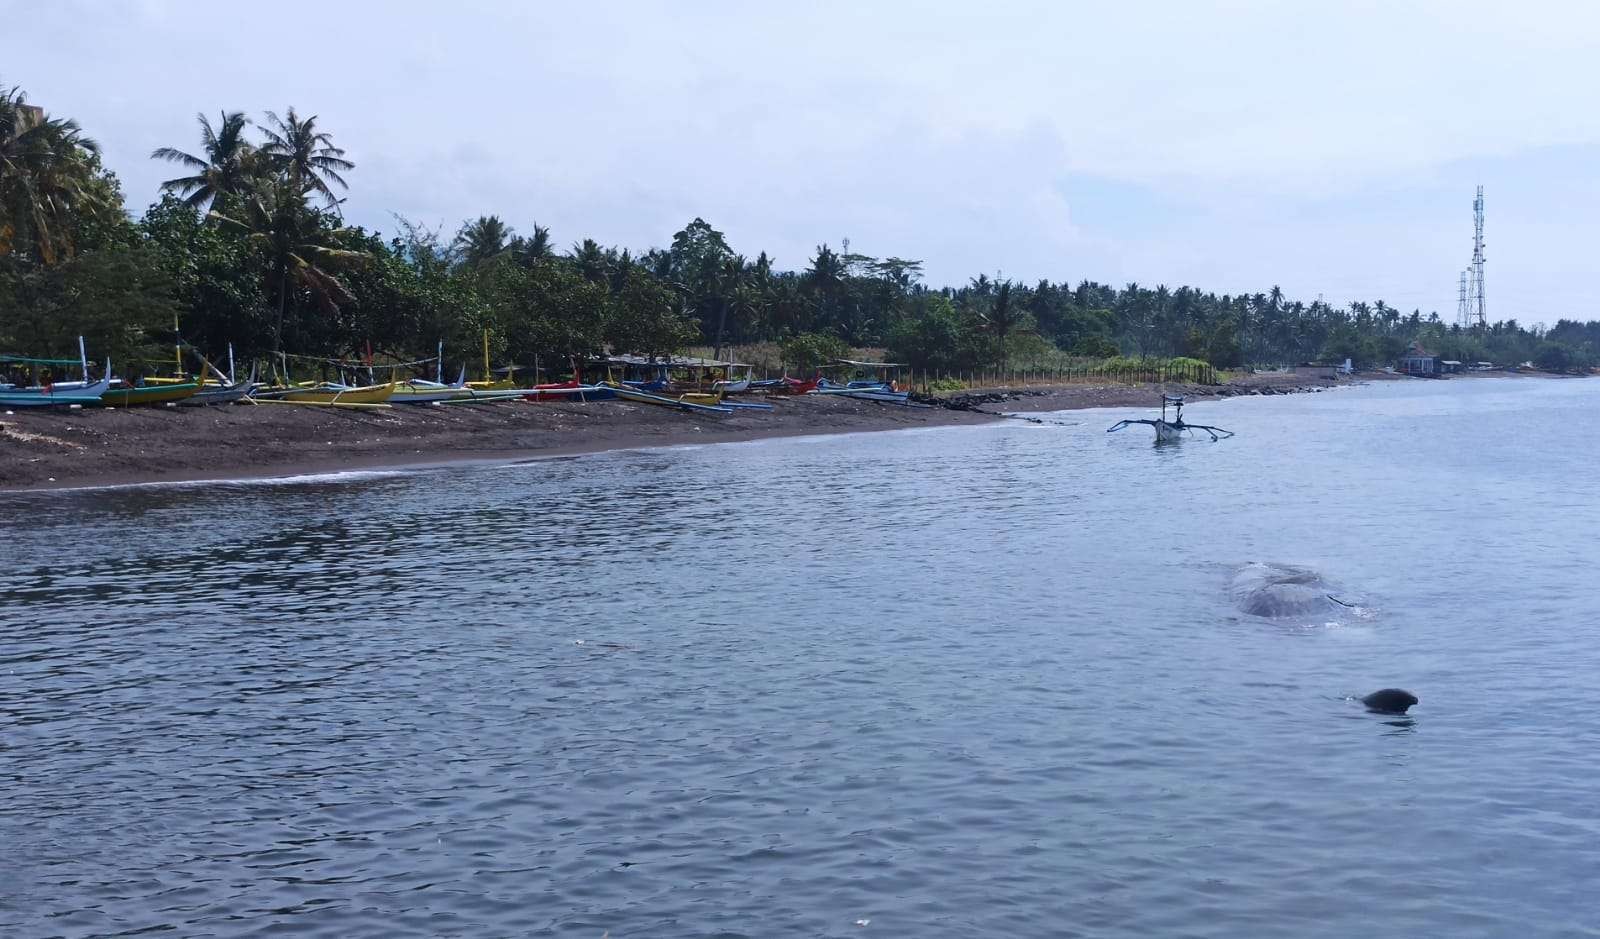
(480, 240)
(46, 167)
(304, 155)
(590, 259)
(301, 241)
(223, 168)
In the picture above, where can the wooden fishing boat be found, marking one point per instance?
(569, 391)
(130, 396)
(864, 391)
(1174, 429)
(799, 386)
(420, 391)
(216, 391)
(55, 395)
(29, 399)
(645, 397)
(330, 393)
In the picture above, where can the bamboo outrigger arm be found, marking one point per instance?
(1172, 429)
(1217, 433)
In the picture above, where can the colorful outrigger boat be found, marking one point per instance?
(50, 397)
(329, 393)
(132, 396)
(681, 403)
(864, 391)
(218, 392)
(1173, 430)
(58, 394)
(422, 391)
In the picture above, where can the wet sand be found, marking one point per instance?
(116, 446)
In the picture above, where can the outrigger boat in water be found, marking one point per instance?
(1172, 431)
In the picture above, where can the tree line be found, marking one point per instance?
(248, 246)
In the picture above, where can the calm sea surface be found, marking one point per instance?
(966, 682)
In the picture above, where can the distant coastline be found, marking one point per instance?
(145, 445)
(129, 446)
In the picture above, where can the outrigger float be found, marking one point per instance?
(1172, 431)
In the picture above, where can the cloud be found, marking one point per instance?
(1228, 144)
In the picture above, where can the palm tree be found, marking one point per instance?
(1003, 319)
(482, 239)
(223, 171)
(534, 249)
(725, 283)
(46, 166)
(300, 240)
(590, 260)
(304, 155)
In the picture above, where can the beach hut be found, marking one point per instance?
(1419, 361)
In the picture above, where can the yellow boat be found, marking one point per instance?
(504, 384)
(336, 394)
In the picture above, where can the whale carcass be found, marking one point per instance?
(1276, 591)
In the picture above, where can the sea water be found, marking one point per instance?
(980, 681)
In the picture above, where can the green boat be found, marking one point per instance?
(149, 394)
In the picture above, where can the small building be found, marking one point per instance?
(1449, 365)
(1316, 370)
(1419, 361)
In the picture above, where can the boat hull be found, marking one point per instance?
(54, 394)
(643, 397)
(366, 394)
(212, 394)
(148, 395)
(425, 394)
(30, 400)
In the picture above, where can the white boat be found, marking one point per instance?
(222, 392)
(1175, 429)
(422, 391)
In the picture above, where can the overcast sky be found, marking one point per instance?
(1330, 148)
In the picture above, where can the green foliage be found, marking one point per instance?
(1094, 346)
(935, 337)
(55, 197)
(807, 352)
(547, 311)
(643, 317)
(115, 298)
(217, 279)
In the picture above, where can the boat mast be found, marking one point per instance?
(83, 357)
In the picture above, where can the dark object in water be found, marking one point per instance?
(1277, 591)
(1389, 701)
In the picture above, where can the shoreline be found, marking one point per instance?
(97, 448)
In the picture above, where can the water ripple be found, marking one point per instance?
(975, 682)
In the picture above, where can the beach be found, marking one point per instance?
(119, 446)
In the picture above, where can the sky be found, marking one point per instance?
(1331, 149)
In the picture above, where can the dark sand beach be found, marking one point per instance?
(94, 447)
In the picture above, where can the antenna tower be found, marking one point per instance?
(1463, 319)
(1475, 308)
